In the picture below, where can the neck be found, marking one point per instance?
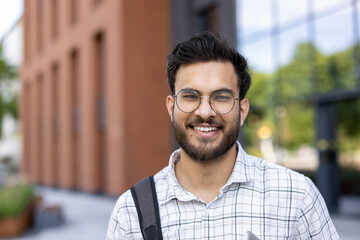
(205, 179)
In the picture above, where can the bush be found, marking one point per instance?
(15, 199)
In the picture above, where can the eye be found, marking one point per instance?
(222, 97)
(189, 96)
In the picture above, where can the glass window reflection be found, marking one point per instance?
(323, 5)
(291, 10)
(259, 55)
(253, 16)
(289, 40)
(334, 33)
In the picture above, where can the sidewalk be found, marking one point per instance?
(347, 222)
(86, 216)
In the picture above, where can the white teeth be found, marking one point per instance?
(205, 129)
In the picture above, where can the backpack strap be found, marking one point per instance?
(147, 207)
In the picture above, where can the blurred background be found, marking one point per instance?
(83, 87)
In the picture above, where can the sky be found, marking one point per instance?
(10, 12)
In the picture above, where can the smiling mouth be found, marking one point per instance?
(205, 126)
(205, 129)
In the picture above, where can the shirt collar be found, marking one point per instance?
(244, 167)
(243, 172)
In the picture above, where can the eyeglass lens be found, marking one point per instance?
(221, 101)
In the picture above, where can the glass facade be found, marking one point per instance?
(298, 51)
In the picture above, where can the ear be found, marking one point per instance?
(244, 110)
(170, 104)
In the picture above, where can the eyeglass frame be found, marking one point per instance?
(197, 92)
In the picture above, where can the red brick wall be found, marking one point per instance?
(135, 141)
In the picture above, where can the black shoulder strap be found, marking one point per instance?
(147, 207)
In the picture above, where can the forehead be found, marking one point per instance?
(206, 77)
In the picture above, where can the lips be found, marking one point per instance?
(205, 129)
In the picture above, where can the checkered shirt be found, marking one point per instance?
(271, 201)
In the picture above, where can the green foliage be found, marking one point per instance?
(7, 71)
(348, 125)
(260, 97)
(300, 125)
(291, 89)
(260, 91)
(7, 74)
(336, 71)
(11, 107)
(13, 200)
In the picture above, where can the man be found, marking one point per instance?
(212, 189)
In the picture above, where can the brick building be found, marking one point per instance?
(93, 92)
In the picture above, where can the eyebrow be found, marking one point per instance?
(217, 90)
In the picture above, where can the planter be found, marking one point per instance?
(14, 226)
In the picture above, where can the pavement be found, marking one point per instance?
(86, 216)
(347, 222)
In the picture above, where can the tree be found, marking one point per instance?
(291, 89)
(8, 104)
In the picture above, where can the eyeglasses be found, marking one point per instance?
(221, 101)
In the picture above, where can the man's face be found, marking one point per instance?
(203, 134)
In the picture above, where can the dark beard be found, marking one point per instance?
(203, 153)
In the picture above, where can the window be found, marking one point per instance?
(100, 104)
(55, 117)
(40, 125)
(55, 101)
(27, 32)
(295, 52)
(39, 24)
(74, 70)
(54, 18)
(73, 11)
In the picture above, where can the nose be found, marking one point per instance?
(204, 110)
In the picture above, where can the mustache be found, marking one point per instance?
(199, 120)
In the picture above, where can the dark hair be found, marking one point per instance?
(206, 47)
